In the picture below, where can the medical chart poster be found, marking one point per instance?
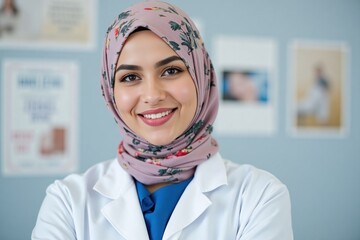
(318, 89)
(48, 24)
(40, 108)
(247, 76)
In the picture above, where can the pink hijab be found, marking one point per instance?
(177, 160)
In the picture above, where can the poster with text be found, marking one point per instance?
(47, 24)
(318, 89)
(246, 72)
(40, 109)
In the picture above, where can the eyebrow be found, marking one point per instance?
(157, 65)
(168, 60)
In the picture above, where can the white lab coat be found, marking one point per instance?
(224, 201)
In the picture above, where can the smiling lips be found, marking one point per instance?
(157, 117)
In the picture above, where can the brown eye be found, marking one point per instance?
(172, 71)
(129, 78)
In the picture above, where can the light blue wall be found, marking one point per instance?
(323, 175)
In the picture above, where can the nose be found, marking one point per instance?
(153, 92)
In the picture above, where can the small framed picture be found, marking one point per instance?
(318, 89)
(247, 76)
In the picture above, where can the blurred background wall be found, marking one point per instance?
(322, 174)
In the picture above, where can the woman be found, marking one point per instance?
(168, 180)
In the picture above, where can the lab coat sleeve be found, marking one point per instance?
(55, 220)
(270, 219)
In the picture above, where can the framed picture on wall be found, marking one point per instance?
(246, 72)
(318, 89)
(40, 108)
(48, 24)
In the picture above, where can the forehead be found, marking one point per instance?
(144, 45)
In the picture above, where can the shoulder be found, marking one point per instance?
(81, 183)
(218, 171)
(92, 173)
(251, 199)
(239, 179)
(257, 190)
(247, 174)
(263, 202)
(253, 183)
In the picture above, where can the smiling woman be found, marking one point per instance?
(168, 180)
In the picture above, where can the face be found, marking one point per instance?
(242, 87)
(154, 93)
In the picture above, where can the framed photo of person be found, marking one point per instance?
(318, 92)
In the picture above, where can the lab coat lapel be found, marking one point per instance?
(209, 175)
(126, 217)
(190, 206)
(123, 212)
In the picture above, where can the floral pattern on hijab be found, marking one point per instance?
(177, 160)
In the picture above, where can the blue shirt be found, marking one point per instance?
(158, 206)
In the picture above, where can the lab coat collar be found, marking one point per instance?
(124, 212)
(114, 182)
(209, 176)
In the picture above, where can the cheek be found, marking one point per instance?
(125, 100)
(186, 94)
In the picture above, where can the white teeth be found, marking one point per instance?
(157, 115)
